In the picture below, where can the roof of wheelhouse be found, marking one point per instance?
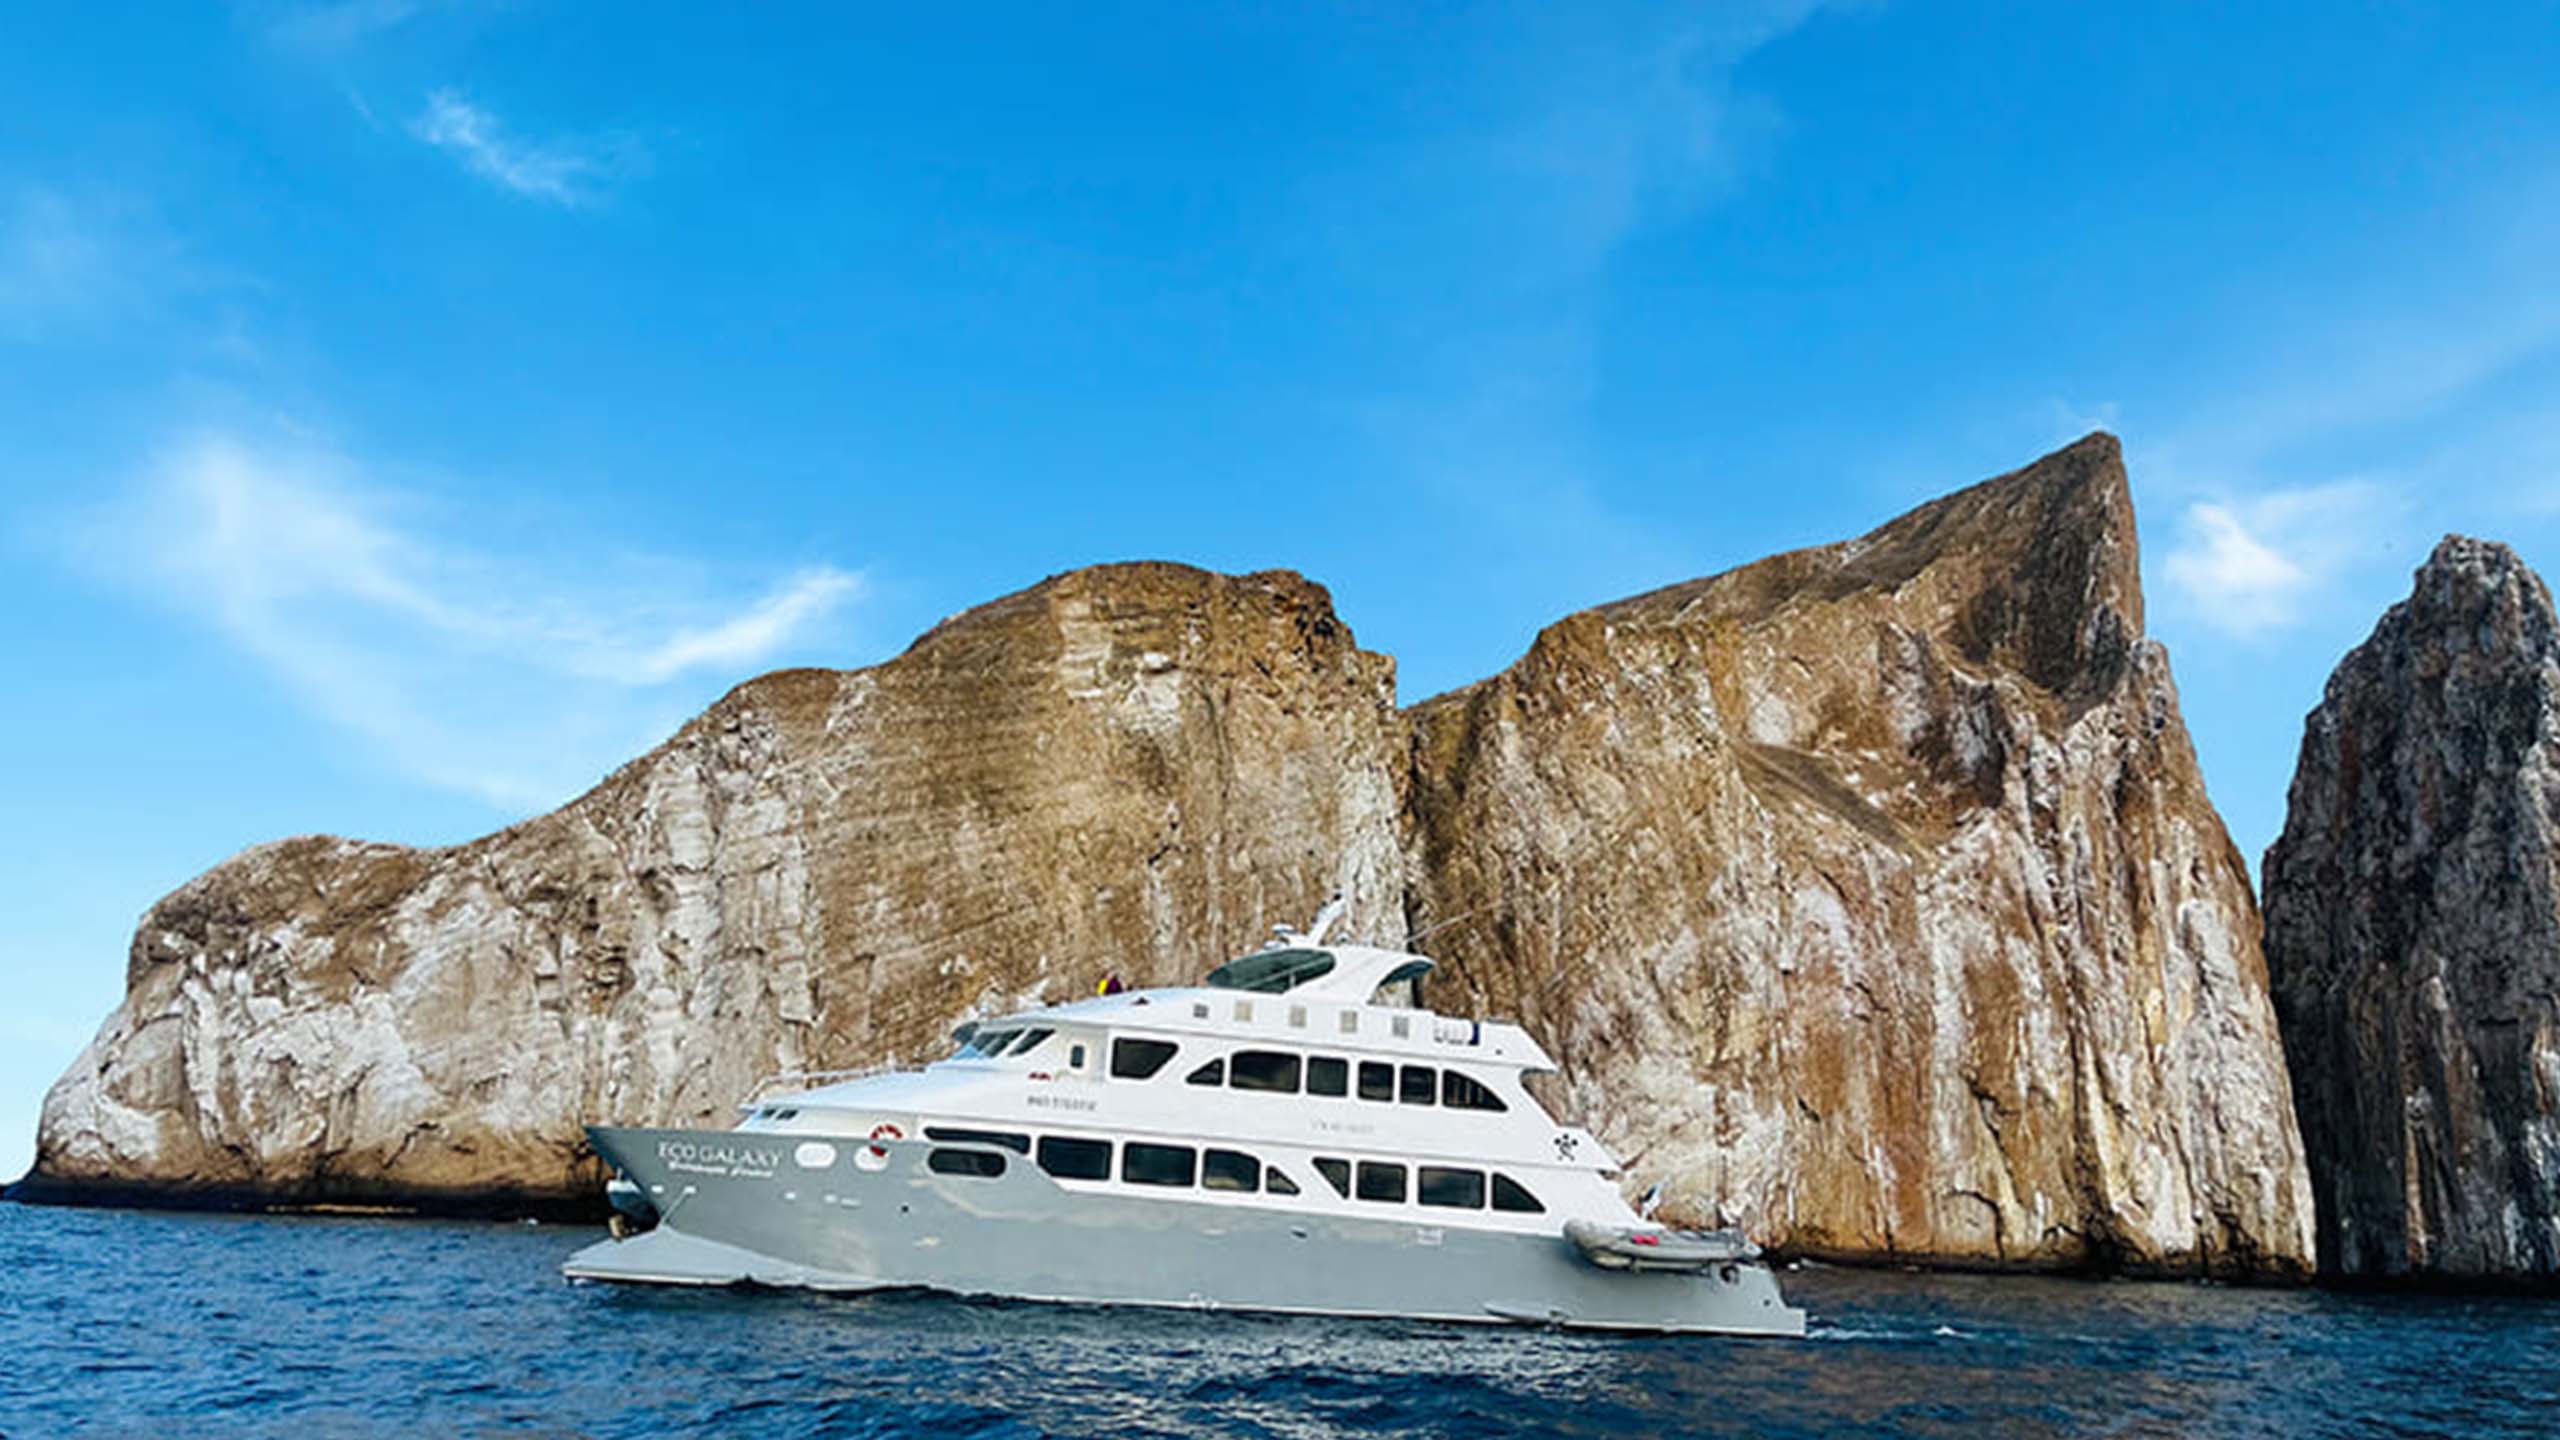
(1344, 975)
(1348, 973)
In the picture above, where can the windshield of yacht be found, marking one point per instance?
(1271, 972)
(987, 1044)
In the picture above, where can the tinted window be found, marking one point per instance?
(1213, 1073)
(1031, 1040)
(1464, 1092)
(1457, 1189)
(1328, 1076)
(1018, 1144)
(1265, 1070)
(1377, 1082)
(1381, 1181)
(1419, 1083)
(1271, 971)
(1135, 1059)
(1070, 1159)
(1508, 1195)
(1336, 1173)
(989, 1044)
(1277, 1183)
(1145, 1164)
(965, 1162)
(1230, 1170)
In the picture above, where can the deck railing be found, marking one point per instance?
(798, 1081)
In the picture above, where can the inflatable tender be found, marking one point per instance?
(1621, 1247)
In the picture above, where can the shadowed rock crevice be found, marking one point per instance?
(2413, 930)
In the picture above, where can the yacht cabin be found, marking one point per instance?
(1288, 1080)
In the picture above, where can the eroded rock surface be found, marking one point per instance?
(2413, 930)
(1869, 896)
(1135, 768)
(1873, 897)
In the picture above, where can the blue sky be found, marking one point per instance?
(413, 409)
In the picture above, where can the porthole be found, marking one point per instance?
(814, 1155)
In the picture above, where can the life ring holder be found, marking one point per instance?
(875, 1156)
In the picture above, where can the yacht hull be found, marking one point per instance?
(738, 1207)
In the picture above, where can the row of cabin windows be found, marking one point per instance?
(1446, 1186)
(1281, 1072)
(1141, 1162)
(1145, 1162)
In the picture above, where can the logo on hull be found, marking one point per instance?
(735, 1162)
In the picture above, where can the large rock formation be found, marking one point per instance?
(1873, 895)
(1134, 768)
(2413, 929)
(1869, 895)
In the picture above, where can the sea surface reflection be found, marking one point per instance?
(123, 1323)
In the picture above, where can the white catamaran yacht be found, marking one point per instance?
(1282, 1138)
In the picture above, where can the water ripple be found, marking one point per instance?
(124, 1324)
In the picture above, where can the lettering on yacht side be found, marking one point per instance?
(736, 1162)
(1344, 1127)
(1060, 1102)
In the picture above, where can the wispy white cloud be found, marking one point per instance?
(64, 255)
(1653, 125)
(2352, 432)
(515, 678)
(2068, 421)
(48, 253)
(1568, 132)
(746, 638)
(337, 26)
(562, 172)
(2250, 566)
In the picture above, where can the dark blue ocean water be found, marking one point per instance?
(119, 1323)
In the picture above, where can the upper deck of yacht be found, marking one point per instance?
(1295, 1058)
(1312, 995)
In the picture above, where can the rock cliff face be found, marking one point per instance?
(1873, 896)
(1869, 896)
(1136, 767)
(2413, 929)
